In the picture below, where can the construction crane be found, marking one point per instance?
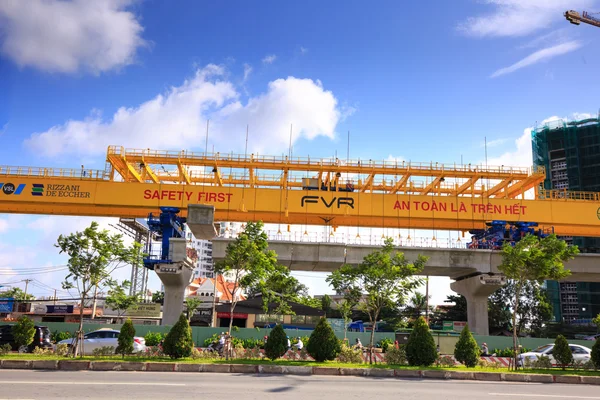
(575, 18)
(302, 191)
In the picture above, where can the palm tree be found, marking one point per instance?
(417, 306)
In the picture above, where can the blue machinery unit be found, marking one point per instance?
(167, 225)
(500, 232)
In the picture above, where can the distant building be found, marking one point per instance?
(570, 152)
(204, 266)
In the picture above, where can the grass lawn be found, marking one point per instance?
(331, 364)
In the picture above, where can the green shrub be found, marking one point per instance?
(385, 344)
(561, 352)
(178, 342)
(202, 355)
(323, 344)
(153, 338)
(420, 348)
(350, 355)
(542, 362)
(104, 351)
(488, 364)
(62, 349)
(396, 356)
(252, 343)
(5, 349)
(445, 362)
(596, 354)
(276, 345)
(125, 339)
(60, 336)
(466, 349)
(38, 351)
(23, 331)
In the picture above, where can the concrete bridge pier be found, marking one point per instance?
(175, 277)
(476, 290)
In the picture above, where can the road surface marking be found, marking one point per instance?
(93, 383)
(544, 395)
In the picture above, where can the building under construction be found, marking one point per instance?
(570, 152)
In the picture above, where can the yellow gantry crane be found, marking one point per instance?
(302, 191)
(575, 18)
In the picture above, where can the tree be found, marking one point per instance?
(561, 352)
(93, 255)
(125, 339)
(386, 278)
(326, 303)
(533, 259)
(158, 297)
(323, 344)
(417, 306)
(178, 343)
(17, 294)
(276, 345)
(596, 354)
(420, 348)
(466, 349)
(191, 305)
(23, 332)
(310, 302)
(345, 309)
(249, 262)
(118, 299)
(534, 310)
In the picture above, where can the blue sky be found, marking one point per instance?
(419, 81)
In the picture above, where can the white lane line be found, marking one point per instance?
(91, 383)
(543, 395)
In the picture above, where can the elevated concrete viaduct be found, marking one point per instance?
(475, 272)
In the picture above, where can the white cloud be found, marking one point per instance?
(68, 36)
(177, 119)
(493, 143)
(270, 59)
(519, 17)
(303, 50)
(247, 71)
(3, 225)
(539, 56)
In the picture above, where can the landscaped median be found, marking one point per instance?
(297, 368)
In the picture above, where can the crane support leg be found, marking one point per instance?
(476, 290)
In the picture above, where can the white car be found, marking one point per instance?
(580, 353)
(105, 337)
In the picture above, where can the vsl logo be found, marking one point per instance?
(9, 188)
(340, 201)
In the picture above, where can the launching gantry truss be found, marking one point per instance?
(302, 191)
(362, 176)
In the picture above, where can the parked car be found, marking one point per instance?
(592, 337)
(103, 338)
(580, 353)
(41, 338)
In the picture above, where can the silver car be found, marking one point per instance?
(103, 338)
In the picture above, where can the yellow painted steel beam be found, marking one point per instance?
(569, 213)
(183, 173)
(400, 184)
(306, 164)
(432, 185)
(150, 173)
(497, 188)
(367, 184)
(468, 184)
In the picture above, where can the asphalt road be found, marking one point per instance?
(42, 385)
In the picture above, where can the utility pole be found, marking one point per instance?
(427, 300)
(54, 296)
(26, 285)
